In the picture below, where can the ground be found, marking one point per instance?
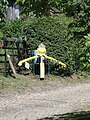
(28, 98)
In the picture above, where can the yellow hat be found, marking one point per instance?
(41, 50)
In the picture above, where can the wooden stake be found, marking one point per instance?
(11, 65)
(42, 71)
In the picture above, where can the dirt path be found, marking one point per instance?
(44, 101)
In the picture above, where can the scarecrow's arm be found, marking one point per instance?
(56, 61)
(27, 59)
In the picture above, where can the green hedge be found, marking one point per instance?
(54, 33)
(12, 29)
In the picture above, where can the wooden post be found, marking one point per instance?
(42, 69)
(11, 65)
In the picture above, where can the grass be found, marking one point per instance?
(87, 108)
(9, 84)
(22, 82)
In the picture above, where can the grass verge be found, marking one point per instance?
(22, 82)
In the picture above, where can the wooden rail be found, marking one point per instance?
(2, 54)
(12, 47)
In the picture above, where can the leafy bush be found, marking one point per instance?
(54, 32)
(12, 29)
(3, 10)
(85, 54)
(79, 10)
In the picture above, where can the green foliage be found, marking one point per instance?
(80, 10)
(12, 29)
(80, 26)
(53, 32)
(63, 36)
(3, 9)
(85, 53)
(60, 41)
(55, 3)
(1, 34)
(38, 7)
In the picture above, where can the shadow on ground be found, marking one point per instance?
(83, 115)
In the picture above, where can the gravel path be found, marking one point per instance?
(44, 101)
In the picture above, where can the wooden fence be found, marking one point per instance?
(17, 51)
